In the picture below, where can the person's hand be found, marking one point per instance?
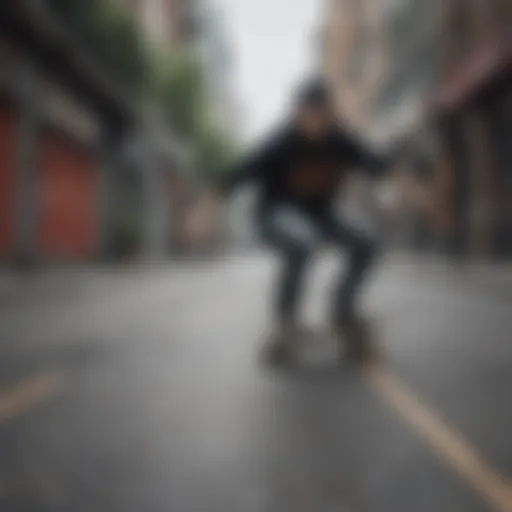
(201, 219)
(388, 206)
(415, 194)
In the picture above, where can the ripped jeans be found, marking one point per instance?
(296, 235)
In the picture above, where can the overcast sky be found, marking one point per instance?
(273, 44)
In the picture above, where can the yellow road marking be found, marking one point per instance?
(31, 392)
(449, 444)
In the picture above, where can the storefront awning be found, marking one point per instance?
(31, 26)
(480, 69)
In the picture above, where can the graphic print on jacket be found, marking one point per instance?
(291, 168)
(310, 180)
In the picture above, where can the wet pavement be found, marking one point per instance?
(145, 393)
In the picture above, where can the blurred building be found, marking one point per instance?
(473, 108)
(196, 26)
(350, 51)
(431, 81)
(381, 58)
(165, 21)
(400, 107)
(64, 123)
(215, 50)
(169, 25)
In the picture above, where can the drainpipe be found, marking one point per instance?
(26, 176)
(144, 154)
(110, 155)
(153, 205)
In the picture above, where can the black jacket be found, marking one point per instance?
(290, 168)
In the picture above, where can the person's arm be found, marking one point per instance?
(362, 156)
(251, 168)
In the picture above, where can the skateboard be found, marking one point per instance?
(357, 345)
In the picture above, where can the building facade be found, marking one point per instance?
(401, 105)
(380, 56)
(51, 157)
(64, 122)
(165, 22)
(473, 109)
(408, 35)
(215, 50)
(348, 50)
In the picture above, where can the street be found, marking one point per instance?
(144, 391)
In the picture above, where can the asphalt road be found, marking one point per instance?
(144, 392)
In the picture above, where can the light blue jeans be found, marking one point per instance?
(296, 235)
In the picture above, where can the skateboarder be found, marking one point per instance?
(299, 170)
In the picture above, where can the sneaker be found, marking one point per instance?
(354, 339)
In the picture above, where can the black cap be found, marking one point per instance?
(314, 92)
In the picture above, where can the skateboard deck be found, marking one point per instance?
(317, 345)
